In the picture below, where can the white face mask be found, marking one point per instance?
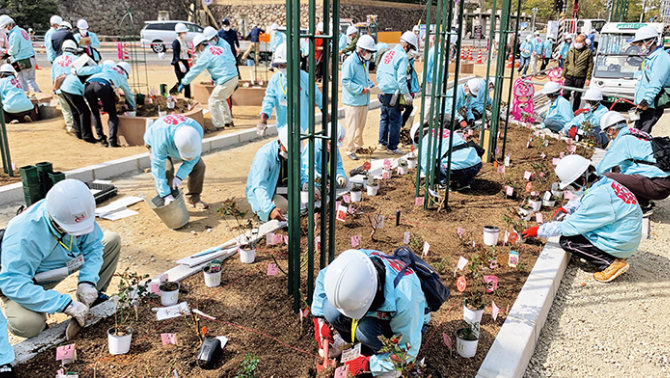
(226, 28)
(349, 39)
(579, 45)
(577, 192)
(283, 154)
(644, 49)
(282, 71)
(367, 56)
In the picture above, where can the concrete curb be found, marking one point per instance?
(514, 346)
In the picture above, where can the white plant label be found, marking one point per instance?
(351, 353)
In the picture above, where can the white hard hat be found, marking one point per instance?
(593, 31)
(71, 205)
(351, 283)
(55, 20)
(570, 168)
(188, 142)
(275, 26)
(567, 36)
(319, 27)
(126, 67)
(415, 28)
(109, 63)
(474, 85)
(282, 135)
(588, 42)
(209, 33)
(180, 28)
(6, 68)
(550, 87)
(537, 32)
(279, 56)
(409, 37)
(366, 42)
(352, 30)
(642, 34)
(341, 133)
(69, 45)
(593, 94)
(5, 20)
(82, 24)
(612, 120)
(529, 38)
(66, 24)
(198, 40)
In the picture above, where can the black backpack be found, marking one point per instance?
(660, 146)
(431, 284)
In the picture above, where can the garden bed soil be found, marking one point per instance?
(252, 308)
(151, 110)
(5, 179)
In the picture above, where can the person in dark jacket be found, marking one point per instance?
(254, 38)
(577, 70)
(180, 55)
(64, 33)
(230, 35)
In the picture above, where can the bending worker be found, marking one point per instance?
(15, 102)
(6, 351)
(466, 95)
(603, 227)
(319, 155)
(465, 157)
(177, 137)
(592, 114)
(220, 63)
(276, 95)
(482, 100)
(59, 71)
(560, 110)
(44, 245)
(631, 161)
(357, 293)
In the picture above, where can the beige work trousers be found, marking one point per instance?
(355, 118)
(26, 323)
(218, 103)
(256, 46)
(67, 112)
(195, 179)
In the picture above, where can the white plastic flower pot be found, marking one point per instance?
(472, 316)
(491, 234)
(466, 348)
(119, 344)
(169, 298)
(390, 173)
(535, 204)
(162, 113)
(411, 164)
(525, 212)
(550, 203)
(556, 191)
(132, 113)
(247, 256)
(356, 196)
(403, 170)
(372, 190)
(212, 279)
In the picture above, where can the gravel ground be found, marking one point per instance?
(618, 329)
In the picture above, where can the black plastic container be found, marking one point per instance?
(103, 192)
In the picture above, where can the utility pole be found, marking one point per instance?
(534, 10)
(644, 4)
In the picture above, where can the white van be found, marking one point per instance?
(159, 34)
(616, 61)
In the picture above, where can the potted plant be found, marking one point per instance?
(373, 187)
(402, 167)
(473, 299)
(535, 201)
(246, 244)
(526, 210)
(212, 272)
(517, 226)
(169, 293)
(411, 161)
(402, 364)
(491, 234)
(356, 193)
(551, 202)
(131, 293)
(467, 338)
(556, 191)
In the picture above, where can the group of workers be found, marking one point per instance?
(534, 50)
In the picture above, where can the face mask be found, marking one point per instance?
(579, 45)
(282, 71)
(283, 154)
(367, 56)
(226, 28)
(644, 49)
(577, 192)
(412, 55)
(349, 39)
(212, 43)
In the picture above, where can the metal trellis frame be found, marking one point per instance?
(137, 57)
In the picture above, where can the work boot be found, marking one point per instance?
(352, 156)
(103, 142)
(457, 187)
(617, 268)
(200, 205)
(397, 151)
(28, 119)
(114, 145)
(381, 147)
(647, 210)
(6, 371)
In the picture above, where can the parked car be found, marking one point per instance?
(159, 34)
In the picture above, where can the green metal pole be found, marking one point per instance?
(311, 141)
(333, 107)
(290, 39)
(4, 146)
(511, 79)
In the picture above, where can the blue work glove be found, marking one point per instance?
(180, 88)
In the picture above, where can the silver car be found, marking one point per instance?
(159, 34)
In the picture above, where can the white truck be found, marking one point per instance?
(617, 61)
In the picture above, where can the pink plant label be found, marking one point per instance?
(543, 155)
(65, 353)
(509, 190)
(378, 220)
(561, 154)
(387, 163)
(491, 283)
(169, 338)
(317, 243)
(13, 166)
(572, 148)
(513, 259)
(541, 174)
(270, 238)
(447, 340)
(461, 232)
(163, 278)
(569, 141)
(462, 262)
(286, 239)
(405, 237)
(342, 213)
(385, 175)
(341, 372)
(155, 289)
(555, 161)
(526, 175)
(418, 201)
(498, 150)
(337, 204)
(470, 132)
(355, 241)
(568, 195)
(539, 218)
(493, 264)
(426, 248)
(346, 198)
(279, 239)
(398, 171)
(501, 169)
(272, 269)
(494, 311)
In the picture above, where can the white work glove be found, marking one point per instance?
(408, 99)
(176, 182)
(86, 293)
(169, 199)
(260, 128)
(341, 181)
(78, 311)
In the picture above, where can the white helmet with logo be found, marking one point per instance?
(71, 205)
(126, 67)
(612, 120)
(474, 85)
(69, 45)
(644, 33)
(188, 142)
(351, 283)
(570, 168)
(409, 37)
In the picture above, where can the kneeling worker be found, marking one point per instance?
(6, 351)
(177, 137)
(466, 160)
(15, 102)
(603, 227)
(44, 245)
(560, 110)
(319, 155)
(357, 294)
(630, 160)
(592, 115)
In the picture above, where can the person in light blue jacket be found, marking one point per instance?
(357, 295)
(91, 49)
(593, 113)
(45, 244)
(546, 52)
(526, 51)
(564, 48)
(59, 69)
(413, 85)
(630, 161)
(101, 87)
(277, 91)
(175, 137)
(72, 89)
(6, 351)
(356, 85)
(465, 162)
(602, 226)
(55, 24)
(466, 95)
(559, 112)
(392, 81)
(221, 65)
(277, 38)
(306, 162)
(342, 42)
(15, 103)
(483, 99)
(22, 52)
(536, 55)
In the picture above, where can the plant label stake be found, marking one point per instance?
(568, 195)
(461, 232)
(346, 198)
(491, 283)
(461, 284)
(561, 155)
(509, 191)
(279, 239)
(355, 241)
(529, 186)
(270, 238)
(351, 353)
(341, 213)
(498, 150)
(494, 311)
(569, 141)
(447, 341)
(526, 175)
(378, 220)
(66, 354)
(385, 175)
(543, 155)
(539, 218)
(572, 149)
(405, 237)
(418, 201)
(493, 263)
(462, 262)
(513, 259)
(507, 160)
(341, 372)
(317, 243)
(506, 237)
(555, 161)
(169, 338)
(501, 169)
(426, 248)
(397, 218)
(155, 288)
(546, 196)
(272, 269)
(286, 239)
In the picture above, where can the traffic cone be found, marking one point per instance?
(463, 53)
(36, 66)
(470, 54)
(509, 62)
(126, 55)
(479, 57)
